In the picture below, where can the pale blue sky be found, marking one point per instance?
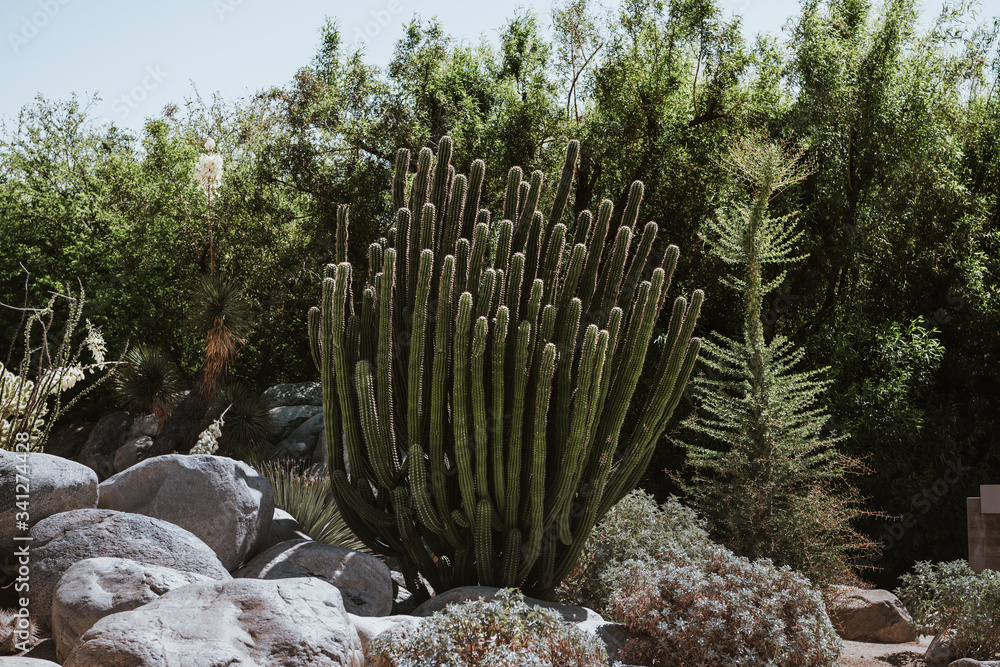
(141, 55)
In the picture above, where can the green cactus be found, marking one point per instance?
(475, 407)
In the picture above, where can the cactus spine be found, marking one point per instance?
(475, 407)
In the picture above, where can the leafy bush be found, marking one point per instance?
(307, 498)
(503, 632)
(727, 611)
(950, 596)
(635, 530)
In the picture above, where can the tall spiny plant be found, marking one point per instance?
(771, 482)
(475, 402)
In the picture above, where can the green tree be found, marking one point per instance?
(769, 484)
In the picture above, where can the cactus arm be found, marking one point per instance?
(536, 479)
(443, 173)
(426, 229)
(670, 256)
(421, 491)
(462, 250)
(312, 323)
(499, 341)
(480, 441)
(383, 363)
(453, 221)
(511, 558)
(514, 286)
(415, 405)
(581, 234)
(565, 181)
(399, 179)
(439, 406)
(378, 450)
(476, 175)
(631, 214)
(510, 200)
(340, 237)
(595, 250)
(515, 443)
(501, 260)
(533, 248)
(360, 467)
(463, 453)
(553, 262)
(528, 204)
(367, 323)
(476, 261)
(568, 328)
(613, 274)
(483, 541)
(576, 260)
(638, 263)
(484, 295)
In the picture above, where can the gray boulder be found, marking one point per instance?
(300, 393)
(226, 503)
(97, 587)
(135, 450)
(870, 616)
(940, 653)
(969, 662)
(64, 539)
(289, 622)
(363, 579)
(286, 419)
(370, 627)
(19, 661)
(55, 485)
(284, 527)
(301, 442)
(465, 593)
(110, 433)
(144, 425)
(69, 439)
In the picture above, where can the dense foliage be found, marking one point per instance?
(898, 294)
(950, 597)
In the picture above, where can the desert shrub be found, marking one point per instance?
(726, 611)
(503, 632)
(950, 596)
(635, 530)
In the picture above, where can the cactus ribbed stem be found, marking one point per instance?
(510, 200)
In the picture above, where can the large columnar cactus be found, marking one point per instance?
(475, 404)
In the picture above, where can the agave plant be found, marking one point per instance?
(475, 399)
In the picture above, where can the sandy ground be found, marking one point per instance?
(859, 654)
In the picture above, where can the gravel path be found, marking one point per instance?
(860, 654)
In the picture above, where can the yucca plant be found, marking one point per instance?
(475, 399)
(149, 383)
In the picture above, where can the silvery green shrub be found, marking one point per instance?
(503, 632)
(727, 611)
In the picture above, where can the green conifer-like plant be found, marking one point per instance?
(770, 480)
(475, 399)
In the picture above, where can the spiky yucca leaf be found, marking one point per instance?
(306, 496)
